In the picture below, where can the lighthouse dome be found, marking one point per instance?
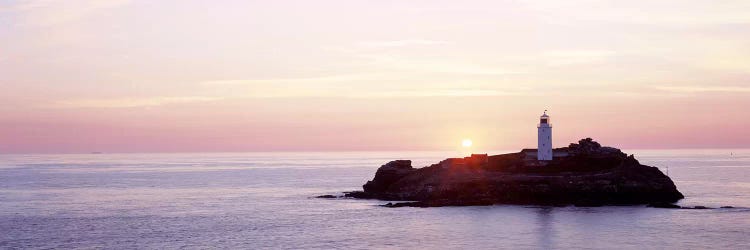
(544, 119)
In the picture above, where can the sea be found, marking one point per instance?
(265, 201)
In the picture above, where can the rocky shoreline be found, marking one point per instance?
(582, 174)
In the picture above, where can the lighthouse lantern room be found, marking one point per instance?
(544, 149)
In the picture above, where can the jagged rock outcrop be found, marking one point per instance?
(387, 175)
(586, 174)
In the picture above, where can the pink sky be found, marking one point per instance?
(184, 76)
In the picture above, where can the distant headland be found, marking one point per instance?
(582, 174)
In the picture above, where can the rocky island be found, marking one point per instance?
(581, 174)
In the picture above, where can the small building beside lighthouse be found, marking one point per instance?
(544, 133)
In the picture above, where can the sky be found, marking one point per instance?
(79, 76)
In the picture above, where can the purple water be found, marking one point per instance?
(261, 201)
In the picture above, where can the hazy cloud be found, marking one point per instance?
(570, 57)
(436, 65)
(654, 13)
(131, 102)
(50, 12)
(299, 80)
(698, 89)
(402, 43)
(352, 86)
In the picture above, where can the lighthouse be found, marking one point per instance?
(544, 149)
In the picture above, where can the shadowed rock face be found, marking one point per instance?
(591, 175)
(387, 175)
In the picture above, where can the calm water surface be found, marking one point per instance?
(261, 200)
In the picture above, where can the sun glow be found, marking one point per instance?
(466, 143)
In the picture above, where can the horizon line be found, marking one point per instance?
(337, 151)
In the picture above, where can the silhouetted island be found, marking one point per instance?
(582, 174)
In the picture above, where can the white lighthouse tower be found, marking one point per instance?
(544, 149)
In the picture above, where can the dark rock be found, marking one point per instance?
(588, 203)
(405, 204)
(663, 205)
(388, 174)
(441, 203)
(727, 207)
(585, 145)
(328, 196)
(591, 175)
(670, 205)
(359, 195)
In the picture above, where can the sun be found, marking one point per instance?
(466, 143)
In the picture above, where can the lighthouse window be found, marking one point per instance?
(544, 121)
